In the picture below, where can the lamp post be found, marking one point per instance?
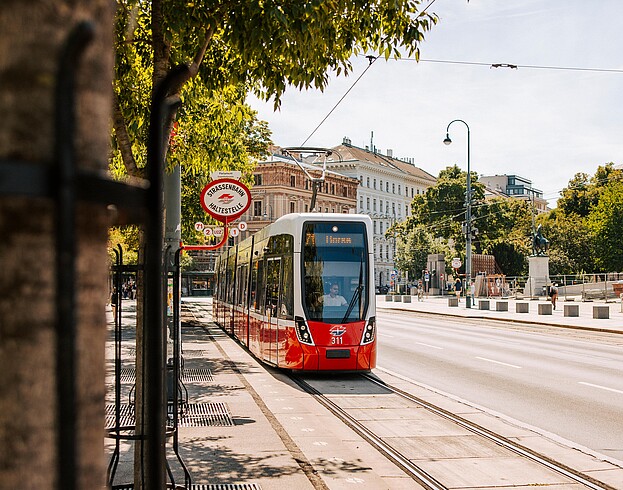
(468, 218)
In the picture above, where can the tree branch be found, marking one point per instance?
(123, 140)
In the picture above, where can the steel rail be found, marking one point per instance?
(500, 440)
(417, 473)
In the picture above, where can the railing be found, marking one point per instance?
(578, 287)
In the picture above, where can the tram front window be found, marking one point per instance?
(335, 269)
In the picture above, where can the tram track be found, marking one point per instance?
(416, 472)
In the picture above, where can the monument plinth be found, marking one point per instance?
(538, 275)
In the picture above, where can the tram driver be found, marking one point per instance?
(334, 298)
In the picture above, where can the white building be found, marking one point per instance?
(387, 186)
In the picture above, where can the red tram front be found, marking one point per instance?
(299, 294)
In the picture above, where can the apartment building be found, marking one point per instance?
(516, 187)
(387, 185)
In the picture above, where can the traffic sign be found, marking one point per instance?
(456, 263)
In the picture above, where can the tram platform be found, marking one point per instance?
(251, 427)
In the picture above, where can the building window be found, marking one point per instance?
(393, 188)
(374, 205)
(292, 180)
(333, 189)
(257, 208)
(306, 208)
(399, 189)
(374, 182)
(257, 179)
(368, 182)
(386, 186)
(361, 203)
(374, 227)
(368, 203)
(344, 191)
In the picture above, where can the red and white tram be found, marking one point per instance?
(300, 293)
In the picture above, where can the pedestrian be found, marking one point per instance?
(553, 294)
(458, 286)
(114, 301)
(420, 294)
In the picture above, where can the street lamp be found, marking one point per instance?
(269, 216)
(468, 218)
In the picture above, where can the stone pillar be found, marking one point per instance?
(538, 275)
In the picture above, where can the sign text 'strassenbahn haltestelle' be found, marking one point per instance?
(225, 199)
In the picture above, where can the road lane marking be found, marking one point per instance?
(498, 362)
(428, 345)
(600, 387)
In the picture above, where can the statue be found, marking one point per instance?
(540, 244)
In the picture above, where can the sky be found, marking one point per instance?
(536, 121)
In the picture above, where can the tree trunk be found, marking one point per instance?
(32, 36)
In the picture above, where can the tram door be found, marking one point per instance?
(272, 308)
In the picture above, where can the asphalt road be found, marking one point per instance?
(564, 382)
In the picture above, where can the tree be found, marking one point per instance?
(572, 248)
(442, 208)
(412, 250)
(32, 36)
(605, 220)
(504, 226)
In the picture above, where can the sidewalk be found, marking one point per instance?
(585, 321)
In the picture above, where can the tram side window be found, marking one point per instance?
(261, 280)
(287, 290)
(273, 276)
(231, 278)
(255, 266)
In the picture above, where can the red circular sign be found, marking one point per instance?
(225, 199)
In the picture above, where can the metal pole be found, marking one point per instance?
(468, 216)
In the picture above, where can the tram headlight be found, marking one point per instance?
(370, 331)
(302, 331)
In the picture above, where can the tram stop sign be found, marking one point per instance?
(456, 263)
(225, 199)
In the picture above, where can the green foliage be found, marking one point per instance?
(442, 208)
(606, 222)
(585, 229)
(274, 44)
(128, 238)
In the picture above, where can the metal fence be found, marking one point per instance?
(576, 287)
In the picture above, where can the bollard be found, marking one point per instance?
(601, 312)
(522, 307)
(483, 304)
(545, 309)
(453, 301)
(406, 298)
(501, 306)
(571, 310)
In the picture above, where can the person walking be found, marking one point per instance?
(458, 286)
(553, 294)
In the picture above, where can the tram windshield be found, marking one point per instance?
(335, 271)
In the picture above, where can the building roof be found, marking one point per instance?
(348, 152)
